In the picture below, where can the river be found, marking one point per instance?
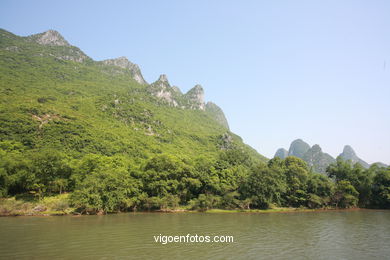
(360, 234)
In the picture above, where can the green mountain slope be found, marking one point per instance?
(99, 132)
(55, 95)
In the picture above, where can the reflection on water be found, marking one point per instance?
(311, 235)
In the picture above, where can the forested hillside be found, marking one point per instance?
(97, 132)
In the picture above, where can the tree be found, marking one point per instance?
(360, 178)
(381, 188)
(345, 195)
(51, 169)
(296, 173)
(263, 186)
(15, 169)
(320, 190)
(205, 202)
(108, 188)
(340, 170)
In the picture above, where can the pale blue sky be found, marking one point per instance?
(280, 70)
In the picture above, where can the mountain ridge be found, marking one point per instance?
(193, 99)
(317, 159)
(54, 62)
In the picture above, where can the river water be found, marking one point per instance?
(360, 234)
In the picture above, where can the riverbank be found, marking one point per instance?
(27, 206)
(58, 206)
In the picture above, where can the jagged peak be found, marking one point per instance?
(163, 78)
(162, 82)
(50, 37)
(195, 97)
(197, 88)
(124, 63)
(349, 154)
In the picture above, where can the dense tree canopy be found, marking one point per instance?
(100, 183)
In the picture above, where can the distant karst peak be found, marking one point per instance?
(348, 150)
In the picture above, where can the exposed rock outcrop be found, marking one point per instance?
(317, 160)
(50, 37)
(124, 63)
(195, 98)
(226, 141)
(55, 39)
(163, 90)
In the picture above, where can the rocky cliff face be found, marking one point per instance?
(50, 37)
(317, 160)
(163, 90)
(349, 154)
(124, 63)
(217, 113)
(52, 44)
(60, 48)
(195, 98)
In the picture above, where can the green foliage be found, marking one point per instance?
(79, 129)
(381, 188)
(205, 202)
(370, 184)
(320, 190)
(109, 187)
(264, 185)
(346, 195)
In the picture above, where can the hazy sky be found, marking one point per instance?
(280, 70)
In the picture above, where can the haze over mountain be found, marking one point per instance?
(349, 154)
(316, 158)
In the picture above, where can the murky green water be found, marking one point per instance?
(322, 235)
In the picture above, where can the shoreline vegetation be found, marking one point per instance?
(84, 136)
(168, 185)
(59, 206)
